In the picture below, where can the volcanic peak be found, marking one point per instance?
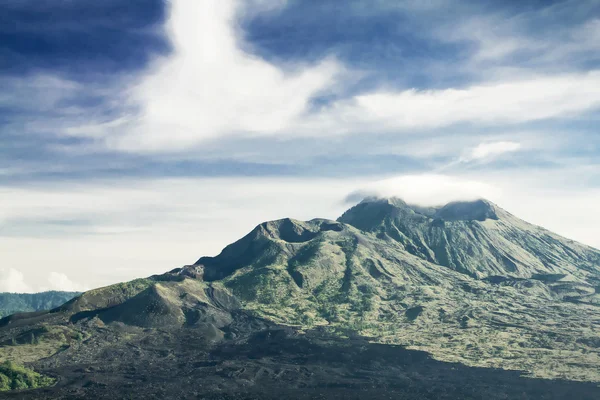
(467, 210)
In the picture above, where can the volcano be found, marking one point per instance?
(392, 299)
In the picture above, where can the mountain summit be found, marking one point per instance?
(476, 210)
(475, 237)
(466, 282)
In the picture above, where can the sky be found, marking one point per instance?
(137, 136)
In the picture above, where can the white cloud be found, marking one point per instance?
(212, 86)
(493, 103)
(485, 151)
(430, 189)
(61, 282)
(13, 281)
(495, 37)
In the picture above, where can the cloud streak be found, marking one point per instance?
(491, 150)
(510, 102)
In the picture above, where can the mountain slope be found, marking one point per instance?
(11, 303)
(466, 282)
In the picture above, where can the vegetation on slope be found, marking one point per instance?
(16, 377)
(460, 299)
(107, 296)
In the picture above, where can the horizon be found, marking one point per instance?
(138, 136)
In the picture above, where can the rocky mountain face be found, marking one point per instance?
(476, 238)
(467, 282)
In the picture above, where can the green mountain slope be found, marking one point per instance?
(466, 282)
(11, 303)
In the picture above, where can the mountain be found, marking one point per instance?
(476, 238)
(466, 282)
(11, 303)
(296, 306)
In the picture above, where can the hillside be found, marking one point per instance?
(11, 303)
(467, 283)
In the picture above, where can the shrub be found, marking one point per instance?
(16, 377)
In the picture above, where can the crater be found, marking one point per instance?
(478, 210)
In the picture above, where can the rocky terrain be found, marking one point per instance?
(389, 301)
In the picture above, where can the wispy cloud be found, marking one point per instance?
(212, 86)
(505, 102)
(490, 150)
(207, 90)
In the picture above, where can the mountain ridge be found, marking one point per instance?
(466, 282)
(11, 303)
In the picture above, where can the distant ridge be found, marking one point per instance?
(11, 303)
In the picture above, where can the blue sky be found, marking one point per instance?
(137, 135)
